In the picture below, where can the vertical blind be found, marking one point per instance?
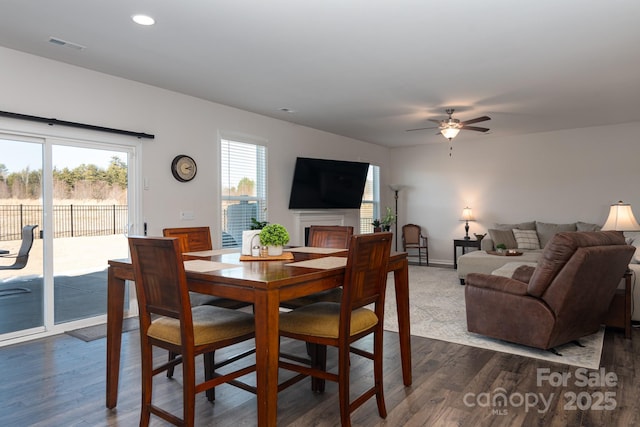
(244, 188)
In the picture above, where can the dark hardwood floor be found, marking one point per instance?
(60, 381)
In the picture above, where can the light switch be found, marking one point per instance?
(186, 215)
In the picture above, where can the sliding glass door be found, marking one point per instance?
(21, 204)
(78, 194)
(90, 218)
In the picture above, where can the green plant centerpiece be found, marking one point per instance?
(388, 219)
(501, 247)
(274, 237)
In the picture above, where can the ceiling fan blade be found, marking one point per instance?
(435, 120)
(476, 120)
(411, 130)
(476, 128)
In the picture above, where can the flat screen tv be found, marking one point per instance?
(327, 184)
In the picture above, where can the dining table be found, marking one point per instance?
(263, 283)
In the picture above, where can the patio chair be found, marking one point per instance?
(21, 258)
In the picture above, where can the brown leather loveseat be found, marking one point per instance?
(563, 298)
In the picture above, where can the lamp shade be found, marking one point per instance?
(467, 214)
(621, 218)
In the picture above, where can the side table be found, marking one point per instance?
(619, 313)
(463, 243)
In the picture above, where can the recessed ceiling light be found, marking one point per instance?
(287, 110)
(143, 20)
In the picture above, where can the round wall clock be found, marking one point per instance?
(183, 168)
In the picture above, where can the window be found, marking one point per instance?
(244, 188)
(370, 207)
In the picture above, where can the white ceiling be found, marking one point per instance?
(366, 69)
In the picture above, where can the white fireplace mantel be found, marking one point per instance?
(307, 218)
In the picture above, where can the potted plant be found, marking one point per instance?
(376, 226)
(501, 247)
(274, 237)
(388, 220)
(258, 225)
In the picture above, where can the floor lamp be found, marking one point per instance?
(396, 189)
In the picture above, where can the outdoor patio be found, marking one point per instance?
(80, 281)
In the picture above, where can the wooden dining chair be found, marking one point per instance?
(168, 321)
(22, 256)
(341, 324)
(196, 239)
(192, 239)
(324, 236)
(412, 238)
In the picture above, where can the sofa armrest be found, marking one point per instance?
(496, 283)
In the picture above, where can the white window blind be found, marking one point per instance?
(370, 208)
(244, 188)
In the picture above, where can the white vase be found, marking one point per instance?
(274, 250)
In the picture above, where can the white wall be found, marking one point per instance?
(181, 125)
(556, 177)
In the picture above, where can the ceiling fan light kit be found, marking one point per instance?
(450, 132)
(450, 127)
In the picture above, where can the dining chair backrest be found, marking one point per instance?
(192, 239)
(330, 236)
(366, 271)
(161, 281)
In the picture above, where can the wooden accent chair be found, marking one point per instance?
(565, 297)
(22, 256)
(168, 321)
(341, 324)
(324, 236)
(412, 238)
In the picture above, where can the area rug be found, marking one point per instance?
(437, 310)
(91, 333)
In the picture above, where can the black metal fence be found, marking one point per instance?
(68, 220)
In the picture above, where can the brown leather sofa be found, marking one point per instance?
(563, 298)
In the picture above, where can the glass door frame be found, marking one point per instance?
(132, 146)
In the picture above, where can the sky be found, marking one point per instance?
(16, 156)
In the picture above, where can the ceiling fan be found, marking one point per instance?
(450, 127)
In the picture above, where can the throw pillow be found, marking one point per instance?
(527, 239)
(585, 226)
(546, 231)
(503, 236)
(633, 239)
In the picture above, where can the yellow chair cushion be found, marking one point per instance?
(210, 324)
(322, 320)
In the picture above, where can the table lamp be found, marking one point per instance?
(467, 215)
(621, 218)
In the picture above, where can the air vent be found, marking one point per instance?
(60, 42)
